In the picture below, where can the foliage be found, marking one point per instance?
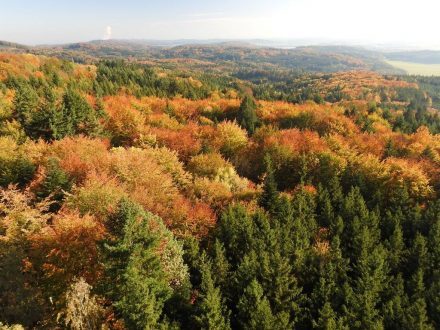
(159, 194)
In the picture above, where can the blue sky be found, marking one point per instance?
(377, 21)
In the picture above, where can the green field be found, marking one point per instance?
(417, 68)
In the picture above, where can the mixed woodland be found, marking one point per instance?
(185, 194)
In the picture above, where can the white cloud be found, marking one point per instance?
(108, 33)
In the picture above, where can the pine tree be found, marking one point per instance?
(220, 265)
(280, 284)
(247, 116)
(26, 103)
(433, 288)
(325, 212)
(254, 311)
(55, 184)
(135, 279)
(236, 231)
(416, 316)
(327, 318)
(211, 311)
(270, 197)
(396, 301)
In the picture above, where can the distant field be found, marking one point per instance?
(417, 68)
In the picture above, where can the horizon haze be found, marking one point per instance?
(398, 24)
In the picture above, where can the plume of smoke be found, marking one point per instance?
(108, 33)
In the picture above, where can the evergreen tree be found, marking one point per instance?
(236, 231)
(433, 290)
(270, 197)
(55, 184)
(368, 261)
(26, 103)
(416, 316)
(211, 311)
(135, 279)
(280, 285)
(254, 311)
(328, 319)
(396, 301)
(396, 245)
(247, 116)
(76, 116)
(220, 265)
(325, 212)
(44, 118)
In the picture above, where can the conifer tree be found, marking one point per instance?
(416, 316)
(135, 279)
(55, 184)
(368, 261)
(220, 265)
(325, 212)
(26, 103)
(76, 116)
(395, 303)
(327, 318)
(270, 197)
(211, 311)
(396, 246)
(236, 231)
(247, 116)
(254, 311)
(280, 284)
(432, 295)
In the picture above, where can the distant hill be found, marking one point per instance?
(6, 45)
(423, 56)
(231, 55)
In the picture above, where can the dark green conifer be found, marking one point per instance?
(247, 116)
(211, 311)
(135, 280)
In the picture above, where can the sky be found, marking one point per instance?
(407, 22)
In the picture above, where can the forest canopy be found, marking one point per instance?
(144, 196)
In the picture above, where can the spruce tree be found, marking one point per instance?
(416, 316)
(247, 116)
(433, 290)
(368, 261)
(327, 318)
(325, 212)
(395, 302)
(396, 246)
(135, 280)
(55, 185)
(270, 197)
(280, 284)
(26, 103)
(236, 231)
(211, 311)
(220, 265)
(254, 311)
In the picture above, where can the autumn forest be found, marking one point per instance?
(217, 187)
